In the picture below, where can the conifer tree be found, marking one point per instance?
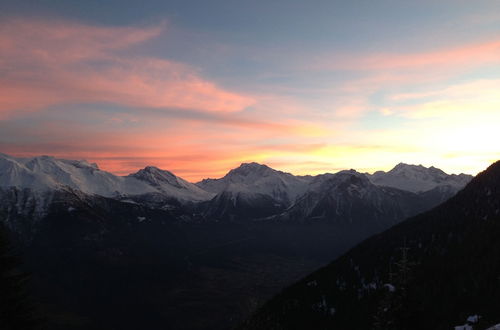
(392, 308)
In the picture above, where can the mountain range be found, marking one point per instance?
(250, 191)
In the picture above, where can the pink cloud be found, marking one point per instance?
(46, 63)
(471, 55)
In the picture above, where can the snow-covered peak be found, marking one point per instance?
(45, 173)
(157, 177)
(254, 178)
(419, 171)
(247, 171)
(418, 178)
(347, 181)
(170, 184)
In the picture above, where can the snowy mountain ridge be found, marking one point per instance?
(417, 178)
(46, 173)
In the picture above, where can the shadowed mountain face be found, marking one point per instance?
(349, 198)
(431, 271)
(151, 250)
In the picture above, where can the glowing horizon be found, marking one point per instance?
(307, 90)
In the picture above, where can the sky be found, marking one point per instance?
(198, 87)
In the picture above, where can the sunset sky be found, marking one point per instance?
(198, 87)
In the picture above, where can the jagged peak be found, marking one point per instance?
(154, 174)
(154, 169)
(351, 174)
(253, 166)
(403, 168)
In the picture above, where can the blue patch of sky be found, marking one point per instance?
(375, 120)
(361, 24)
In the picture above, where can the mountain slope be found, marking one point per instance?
(429, 272)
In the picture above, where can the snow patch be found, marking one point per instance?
(473, 318)
(312, 283)
(464, 327)
(390, 287)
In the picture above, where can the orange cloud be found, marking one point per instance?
(45, 63)
(192, 148)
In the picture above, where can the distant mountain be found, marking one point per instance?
(251, 191)
(433, 271)
(169, 184)
(45, 173)
(349, 198)
(256, 191)
(254, 178)
(417, 178)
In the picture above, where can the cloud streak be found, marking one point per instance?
(464, 56)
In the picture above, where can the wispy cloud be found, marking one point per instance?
(463, 56)
(46, 63)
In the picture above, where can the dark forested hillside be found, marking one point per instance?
(429, 272)
(17, 310)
